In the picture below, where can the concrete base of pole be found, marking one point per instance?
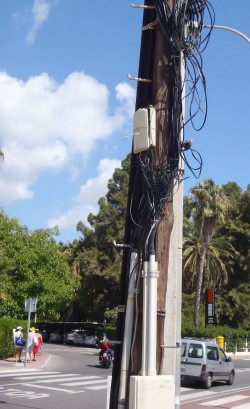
(151, 391)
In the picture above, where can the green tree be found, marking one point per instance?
(207, 206)
(95, 257)
(233, 302)
(32, 265)
(218, 260)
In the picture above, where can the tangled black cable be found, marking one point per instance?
(183, 28)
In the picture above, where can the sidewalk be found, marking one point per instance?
(10, 363)
(239, 355)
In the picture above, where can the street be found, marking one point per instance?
(224, 396)
(72, 377)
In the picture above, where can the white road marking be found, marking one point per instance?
(197, 395)
(84, 383)
(18, 371)
(70, 378)
(222, 401)
(41, 376)
(26, 374)
(98, 388)
(31, 385)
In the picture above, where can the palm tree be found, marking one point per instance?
(220, 253)
(203, 254)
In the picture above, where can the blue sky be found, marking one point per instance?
(66, 104)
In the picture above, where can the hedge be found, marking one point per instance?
(234, 338)
(6, 336)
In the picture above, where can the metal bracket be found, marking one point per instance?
(138, 79)
(142, 7)
(121, 245)
(178, 345)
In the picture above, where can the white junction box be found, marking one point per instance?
(144, 129)
(147, 392)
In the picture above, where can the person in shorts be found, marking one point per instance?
(18, 348)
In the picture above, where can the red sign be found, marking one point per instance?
(210, 306)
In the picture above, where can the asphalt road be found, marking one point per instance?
(72, 378)
(236, 396)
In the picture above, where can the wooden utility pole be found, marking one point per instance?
(156, 65)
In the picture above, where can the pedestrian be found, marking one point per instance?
(31, 342)
(19, 343)
(39, 344)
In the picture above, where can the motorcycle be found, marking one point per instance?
(105, 359)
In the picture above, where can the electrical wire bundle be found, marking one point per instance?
(182, 27)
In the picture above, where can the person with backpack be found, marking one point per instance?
(19, 343)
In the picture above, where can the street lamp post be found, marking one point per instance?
(229, 29)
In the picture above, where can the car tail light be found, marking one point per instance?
(203, 368)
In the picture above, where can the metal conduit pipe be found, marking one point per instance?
(128, 330)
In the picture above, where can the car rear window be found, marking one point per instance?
(195, 351)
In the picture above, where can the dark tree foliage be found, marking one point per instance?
(95, 257)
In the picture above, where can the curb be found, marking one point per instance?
(41, 362)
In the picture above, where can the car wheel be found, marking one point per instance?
(208, 381)
(231, 379)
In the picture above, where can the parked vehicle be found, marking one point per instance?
(56, 336)
(85, 338)
(205, 361)
(79, 336)
(69, 339)
(105, 359)
(91, 340)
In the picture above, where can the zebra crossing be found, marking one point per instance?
(239, 398)
(34, 384)
(212, 399)
(38, 383)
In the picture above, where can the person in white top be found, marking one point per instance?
(31, 342)
(18, 348)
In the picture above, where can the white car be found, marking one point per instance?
(91, 341)
(205, 361)
(70, 336)
(78, 337)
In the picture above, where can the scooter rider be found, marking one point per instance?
(105, 346)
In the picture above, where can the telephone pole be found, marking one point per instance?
(148, 350)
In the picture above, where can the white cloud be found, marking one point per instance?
(126, 95)
(46, 126)
(22, 166)
(40, 14)
(86, 200)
